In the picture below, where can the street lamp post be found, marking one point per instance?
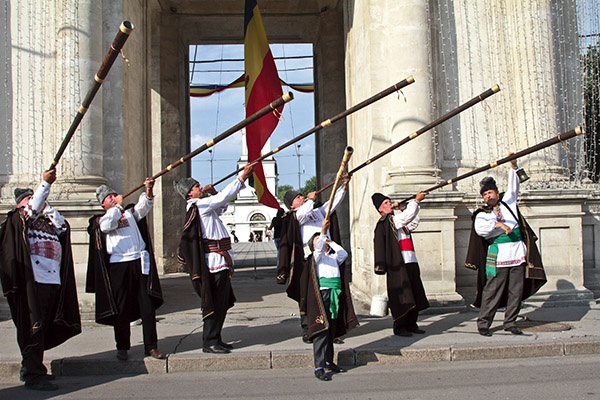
(211, 165)
(299, 170)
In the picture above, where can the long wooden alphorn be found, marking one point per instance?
(327, 122)
(347, 154)
(260, 113)
(115, 48)
(557, 139)
(431, 125)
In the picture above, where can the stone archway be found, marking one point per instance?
(179, 24)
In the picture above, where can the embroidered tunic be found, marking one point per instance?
(510, 253)
(209, 210)
(406, 222)
(124, 241)
(43, 228)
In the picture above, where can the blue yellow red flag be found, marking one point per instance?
(262, 87)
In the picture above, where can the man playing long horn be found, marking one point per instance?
(299, 225)
(395, 256)
(502, 248)
(38, 279)
(205, 248)
(122, 269)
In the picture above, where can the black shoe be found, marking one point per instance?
(403, 333)
(281, 279)
(338, 340)
(216, 349)
(306, 339)
(334, 368)
(321, 375)
(48, 377)
(42, 384)
(226, 345)
(484, 332)
(122, 355)
(515, 330)
(417, 330)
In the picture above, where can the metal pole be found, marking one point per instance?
(211, 164)
(298, 155)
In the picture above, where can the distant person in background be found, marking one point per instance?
(235, 238)
(251, 239)
(276, 224)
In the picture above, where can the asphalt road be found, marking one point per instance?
(547, 378)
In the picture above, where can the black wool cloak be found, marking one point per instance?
(291, 249)
(18, 285)
(304, 287)
(191, 254)
(98, 270)
(535, 276)
(404, 286)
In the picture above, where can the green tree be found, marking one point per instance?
(591, 98)
(310, 185)
(282, 189)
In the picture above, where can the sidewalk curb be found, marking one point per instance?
(255, 360)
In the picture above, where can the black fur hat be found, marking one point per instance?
(487, 183)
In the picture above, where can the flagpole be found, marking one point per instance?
(494, 89)
(394, 88)
(557, 139)
(260, 113)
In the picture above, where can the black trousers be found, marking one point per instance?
(213, 324)
(510, 279)
(323, 342)
(130, 291)
(32, 364)
(407, 322)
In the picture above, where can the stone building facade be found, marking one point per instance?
(139, 121)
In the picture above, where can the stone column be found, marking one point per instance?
(331, 141)
(405, 48)
(79, 53)
(510, 43)
(386, 42)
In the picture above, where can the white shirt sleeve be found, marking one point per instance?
(304, 211)
(38, 201)
(337, 199)
(407, 215)
(340, 253)
(143, 207)
(220, 201)
(318, 252)
(512, 187)
(485, 225)
(110, 220)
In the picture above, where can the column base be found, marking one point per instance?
(410, 179)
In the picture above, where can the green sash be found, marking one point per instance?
(335, 284)
(492, 254)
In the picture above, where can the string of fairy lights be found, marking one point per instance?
(532, 51)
